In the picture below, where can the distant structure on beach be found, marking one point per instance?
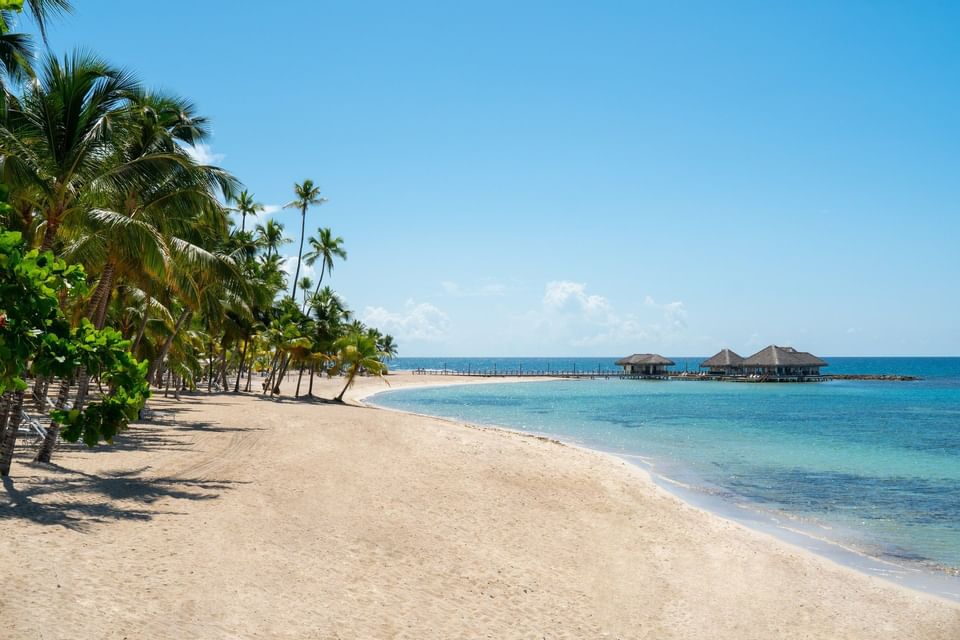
(773, 364)
(653, 365)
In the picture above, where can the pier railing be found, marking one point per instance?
(607, 374)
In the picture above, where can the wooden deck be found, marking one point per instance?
(607, 375)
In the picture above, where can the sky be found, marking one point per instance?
(604, 178)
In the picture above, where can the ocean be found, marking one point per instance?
(870, 466)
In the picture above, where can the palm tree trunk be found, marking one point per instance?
(323, 266)
(6, 402)
(303, 232)
(243, 357)
(350, 377)
(50, 234)
(283, 371)
(250, 373)
(53, 431)
(268, 384)
(299, 378)
(143, 326)
(97, 313)
(313, 367)
(10, 434)
(210, 369)
(102, 291)
(222, 374)
(155, 365)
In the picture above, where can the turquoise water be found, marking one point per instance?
(873, 465)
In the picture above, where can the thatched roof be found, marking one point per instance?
(645, 358)
(726, 358)
(774, 356)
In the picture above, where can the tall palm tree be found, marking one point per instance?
(246, 206)
(152, 190)
(58, 136)
(270, 236)
(325, 249)
(307, 194)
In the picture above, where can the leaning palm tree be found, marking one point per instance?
(245, 205)
(357, 351)
(325, 249)
(307, 194)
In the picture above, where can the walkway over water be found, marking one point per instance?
(607, 374)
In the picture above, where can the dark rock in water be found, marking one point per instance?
(873, 376)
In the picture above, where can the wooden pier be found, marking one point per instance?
(670, 375)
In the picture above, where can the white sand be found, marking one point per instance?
(248, 518)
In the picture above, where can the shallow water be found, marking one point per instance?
(874, 466)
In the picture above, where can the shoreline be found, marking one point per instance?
(931, 581)
(241, 516)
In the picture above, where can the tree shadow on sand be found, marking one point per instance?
(78, 501)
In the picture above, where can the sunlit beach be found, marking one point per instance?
(503, 320)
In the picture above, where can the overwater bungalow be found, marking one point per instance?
(645, 364)
(783, 364)
(724, 363)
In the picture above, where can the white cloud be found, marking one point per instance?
(203, 154)
(571, 315)
(490, 289)
(415, 321)
(674, 313)
(289, 266)
(261, 216)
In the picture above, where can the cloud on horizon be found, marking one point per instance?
(570, 314)
(490, 289)
(416, 321)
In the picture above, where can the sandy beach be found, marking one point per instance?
(241, 517)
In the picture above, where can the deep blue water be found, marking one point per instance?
(872, 465)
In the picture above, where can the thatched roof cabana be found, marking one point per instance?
(645, 358)
(774, 356)
(725, 359)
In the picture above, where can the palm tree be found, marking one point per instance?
(16, 49)
(246, 206)
(58, 137)
(307, 194)
(388, 346)
(270, 235)
(305, 284)
(152, 190)
(325, 248)
(357, 351)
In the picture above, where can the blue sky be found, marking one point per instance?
(553, 178)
